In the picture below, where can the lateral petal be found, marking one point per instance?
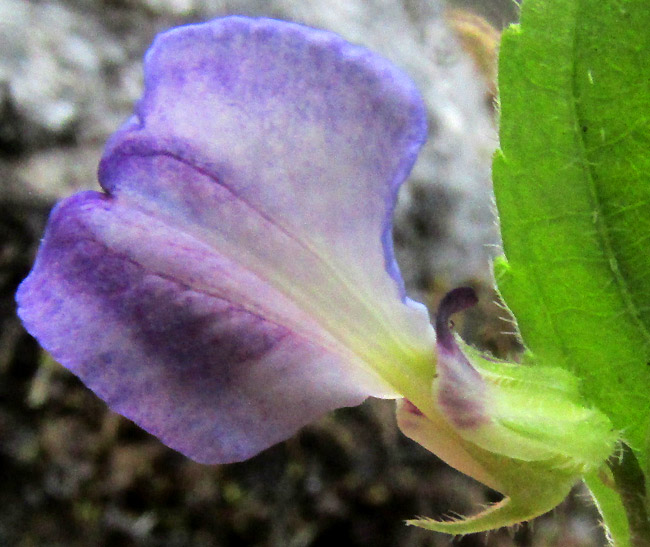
(260, 135)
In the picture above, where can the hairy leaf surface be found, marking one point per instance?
(573, 190)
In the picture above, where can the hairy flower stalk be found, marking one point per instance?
(235, 278)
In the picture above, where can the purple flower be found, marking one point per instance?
(235, 279)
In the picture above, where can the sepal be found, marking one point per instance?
(522, 430)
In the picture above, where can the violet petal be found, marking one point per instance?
(237, 280)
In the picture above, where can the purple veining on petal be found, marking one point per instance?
(213, 381)
(409, 407)
(459, 387)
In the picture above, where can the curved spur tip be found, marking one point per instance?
(456, 300)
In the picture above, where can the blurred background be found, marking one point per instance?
(74, 474)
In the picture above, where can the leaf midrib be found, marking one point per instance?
(596, 203)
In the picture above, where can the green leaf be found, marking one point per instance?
(611, 508)
(572, 181)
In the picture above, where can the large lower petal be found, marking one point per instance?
(210, 377)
